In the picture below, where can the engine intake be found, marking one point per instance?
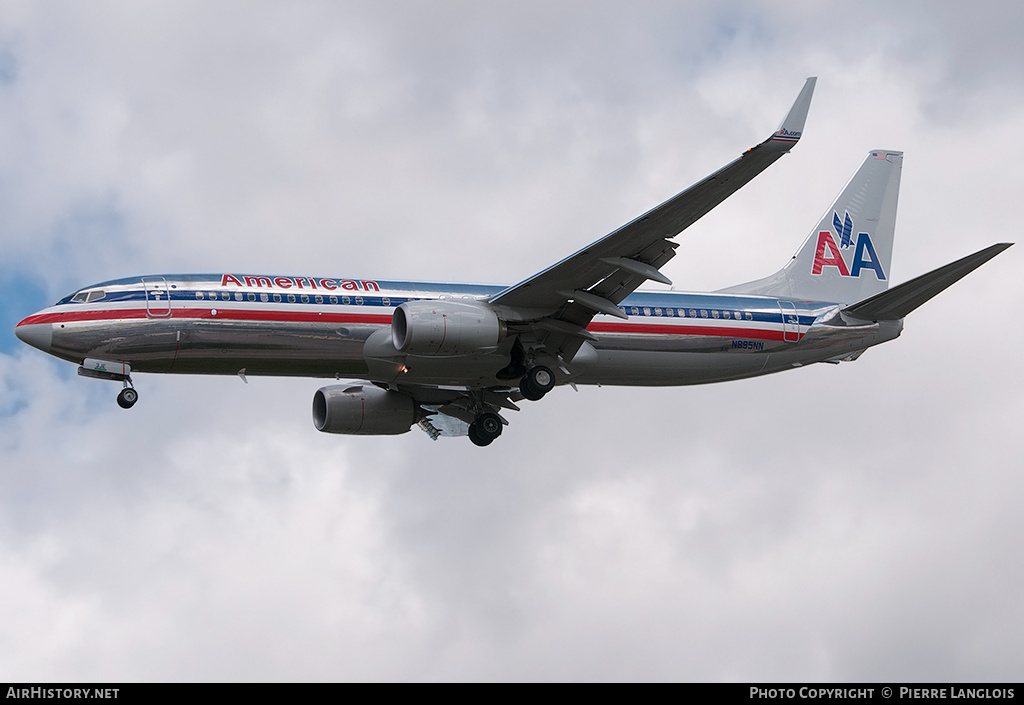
(363, 410)
(446, 328)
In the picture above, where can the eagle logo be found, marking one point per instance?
(844, 229)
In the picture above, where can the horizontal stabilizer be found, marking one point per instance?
(900, 300)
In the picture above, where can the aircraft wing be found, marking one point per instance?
(564, 298)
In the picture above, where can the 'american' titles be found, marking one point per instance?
(299, 283)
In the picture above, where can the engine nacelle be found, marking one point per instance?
(446, 328)
(362, 410)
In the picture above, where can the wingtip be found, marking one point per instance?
(997, 248)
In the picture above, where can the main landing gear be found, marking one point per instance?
(537, 382)
(128, 396)
(485, 429)
(487, 426)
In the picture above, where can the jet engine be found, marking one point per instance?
(363, 410)
(446, 328)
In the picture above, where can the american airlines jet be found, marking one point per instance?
(452, 358)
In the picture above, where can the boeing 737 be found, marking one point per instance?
(451, 358)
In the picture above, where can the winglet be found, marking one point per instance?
(793, 126)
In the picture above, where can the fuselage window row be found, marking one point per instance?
(277, 298)
(682, 313)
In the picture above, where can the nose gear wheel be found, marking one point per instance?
(127, 398)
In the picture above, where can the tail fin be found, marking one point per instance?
(846, 257)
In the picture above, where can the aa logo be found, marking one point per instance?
(829, 254)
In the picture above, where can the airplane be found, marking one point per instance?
(451, 358)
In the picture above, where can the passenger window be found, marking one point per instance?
(359, 301)
(647, 311)
(346, 300)
(264, 297)
(277, 298)
(670, 312)
(750, 316)
(305, 298)
(657, 312)
(714, 314)
(386, 301)
(251, 296)
(635, 311)
(291, 298)
(334, 299)
(693, 313)
(238, 296)
(703, 313)
(199, 295)
(319, 299)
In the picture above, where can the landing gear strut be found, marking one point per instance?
(485, 429)
(128, 396)
(537, 382)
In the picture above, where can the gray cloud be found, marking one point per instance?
(856, 522)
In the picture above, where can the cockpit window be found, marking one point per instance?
(84, 297)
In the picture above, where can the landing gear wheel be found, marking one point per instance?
(538, 381)
(541, 378)
(527, 391)
(489, 425)
(475, 436)
(485, 429)
(127, 398)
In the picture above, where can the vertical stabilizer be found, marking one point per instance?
(846, 257)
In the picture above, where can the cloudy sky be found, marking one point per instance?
(859, 522)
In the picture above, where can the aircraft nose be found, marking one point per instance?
(38, 335)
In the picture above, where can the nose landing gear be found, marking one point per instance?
(114, 371)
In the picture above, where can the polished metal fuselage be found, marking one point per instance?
(339, 328)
